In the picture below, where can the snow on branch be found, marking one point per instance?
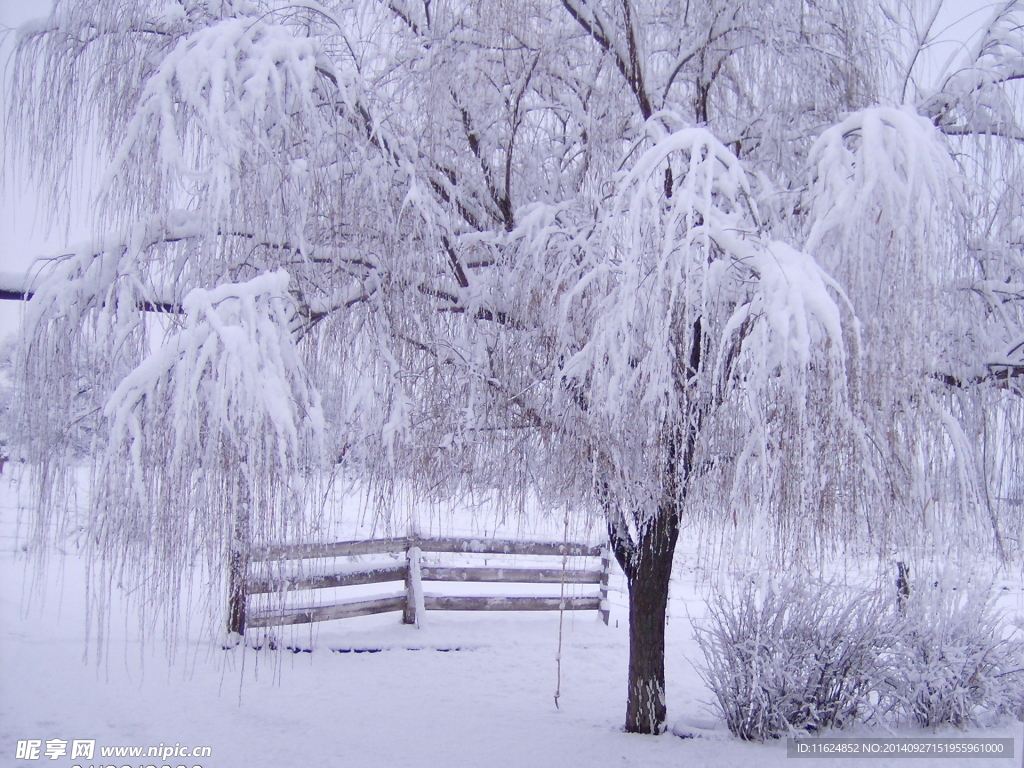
(696, 254)
(207, 442)
(975, 98)
(886, 203)
(230, 98)
(693, 306)
(232, 372)
(879, 159)
(109, 274)
(891, 219)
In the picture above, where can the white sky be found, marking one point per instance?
(22, 222)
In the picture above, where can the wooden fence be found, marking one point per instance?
(412, 601)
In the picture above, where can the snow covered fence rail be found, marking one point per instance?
(412, 601)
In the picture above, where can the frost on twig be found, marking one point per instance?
(792, 656)
(973, 97)
(788, 656)
(693, 319)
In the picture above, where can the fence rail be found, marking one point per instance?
(412, 573)
(386, 546)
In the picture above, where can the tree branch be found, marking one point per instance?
(966, 130)
(596, 30)
(619, 537)
(1000, 376)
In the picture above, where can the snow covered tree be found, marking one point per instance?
(649, 260)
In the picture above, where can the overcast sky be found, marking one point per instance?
(21, 224)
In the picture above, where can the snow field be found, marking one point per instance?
(464, 690)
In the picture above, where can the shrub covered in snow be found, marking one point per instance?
(801, 656)
(951, 663)
(792, 656)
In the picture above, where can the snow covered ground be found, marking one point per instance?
(464, 690)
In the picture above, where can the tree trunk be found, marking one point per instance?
(648, 581)
(647, 563)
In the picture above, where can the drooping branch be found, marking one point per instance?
(628, 62)
(1008, 377)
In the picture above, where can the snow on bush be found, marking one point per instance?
(792, 656)
(798, 656)
(951, 663)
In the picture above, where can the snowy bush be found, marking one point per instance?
(950, 663)
(800, 656)
(792, 656)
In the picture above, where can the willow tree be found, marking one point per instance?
(644, 260)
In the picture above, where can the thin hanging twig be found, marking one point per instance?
(561, 609)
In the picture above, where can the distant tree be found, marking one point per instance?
(7, 348)
(657, 261)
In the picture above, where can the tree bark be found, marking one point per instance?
(648, 580)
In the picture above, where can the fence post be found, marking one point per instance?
(238, 563)
(414, 603)
(902, 585)
(606, 564)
